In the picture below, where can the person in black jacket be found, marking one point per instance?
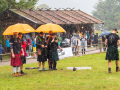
(41, 51)
(52, 51)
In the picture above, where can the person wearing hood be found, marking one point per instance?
(74, 42)
(1, 51)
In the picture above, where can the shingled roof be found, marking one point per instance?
(57, 16)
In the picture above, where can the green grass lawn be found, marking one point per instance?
(97, 78)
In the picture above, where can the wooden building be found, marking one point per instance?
(70, 20)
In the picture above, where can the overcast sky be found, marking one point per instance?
(84, 5)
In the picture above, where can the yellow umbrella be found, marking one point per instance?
(50, 27)
(23, 28)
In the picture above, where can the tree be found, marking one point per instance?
(43, 6)
(109, 12)
(3, 5)
(22, 4)
(12, 4)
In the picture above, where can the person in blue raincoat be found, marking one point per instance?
(8, 45)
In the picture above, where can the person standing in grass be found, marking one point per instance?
(15, 46)
(24, 45)
(53, 55)
(112, 40)
(41, 51)
(48, 38)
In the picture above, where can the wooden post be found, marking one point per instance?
(100, 45)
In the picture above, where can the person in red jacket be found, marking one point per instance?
(24, 45)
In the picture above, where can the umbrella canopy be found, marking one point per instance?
(23, 28)
(105, 32)
(50, 27)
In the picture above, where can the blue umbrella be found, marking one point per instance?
(104, 32)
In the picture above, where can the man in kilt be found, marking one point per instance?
(15, 46)
(41, 51)
(112, 40)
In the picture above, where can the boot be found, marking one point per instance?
(19, 74)
(54, 67)
(109, 70)
(117, 69)
(23, 73)
(15, 75)
(51, 66)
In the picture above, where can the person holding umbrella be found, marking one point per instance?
(41, 51)
(47, 28)
(53, 55)
(112, 40)
(15, 46)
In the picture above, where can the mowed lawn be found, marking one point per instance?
(97, 78)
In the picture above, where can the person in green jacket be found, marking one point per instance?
(59, 40)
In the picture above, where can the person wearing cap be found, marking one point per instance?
(112, 40)
(15, 46)
(52, 51)
(41, 51)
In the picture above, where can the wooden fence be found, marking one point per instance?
(100, 46)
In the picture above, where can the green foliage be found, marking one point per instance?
(1, 37)
(109, 12)
(42, 6)
(97, 78)
(11, 4)
(23, 4)
(3, 5)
